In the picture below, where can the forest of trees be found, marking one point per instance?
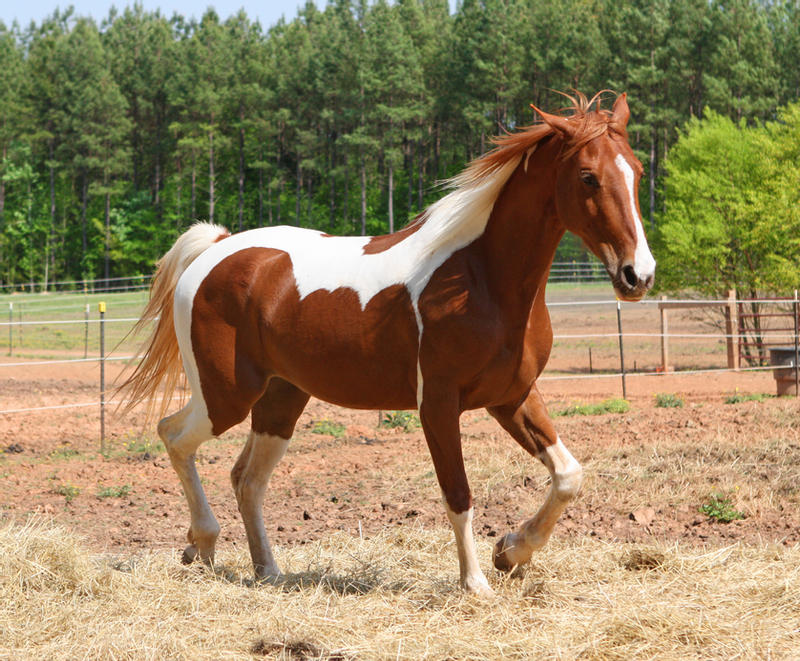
(115, 137)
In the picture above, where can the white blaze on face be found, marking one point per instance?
(643, 262)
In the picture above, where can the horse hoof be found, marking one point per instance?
(479, 588)
(500, 555)
(189, 554)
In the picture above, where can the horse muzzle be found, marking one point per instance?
(632, 284)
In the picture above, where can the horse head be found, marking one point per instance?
(596, 195)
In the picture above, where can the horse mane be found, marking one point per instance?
(512, 146)
(462, 214)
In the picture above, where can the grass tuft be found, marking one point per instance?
(739, 397)
(405, 420)
(114, 492)
(614, 405)
(668, 400)
(325, 426)
(720, 508)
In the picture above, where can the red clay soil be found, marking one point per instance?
(129, 499)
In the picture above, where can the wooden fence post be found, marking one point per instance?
(732, 330)
(664, 339)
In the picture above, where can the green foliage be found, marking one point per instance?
(69, 491)
(335, 429)
(405, 420)
(114, 492)
(614, 405)
(115, 137)
(738, 398)
(144, 446)
(731, 219)
(720, 508)
(668, 400)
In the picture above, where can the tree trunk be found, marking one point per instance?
(193, 205)
(332, 191)
(211, 177)
(391, 197)
(298, 192)
(346, 193)
(420, 170)
(84, 202)
(241, 178)
(178, 190)
(3, 187)
(363, 194)
(410, 175)
(652, 178)
(437, 146)
(310, 199)
(260, 197)
(106, 255)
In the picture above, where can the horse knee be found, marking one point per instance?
(565, 471)
(566, 484)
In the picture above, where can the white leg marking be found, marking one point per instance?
(265, 451)
(182, 433)
(565, 470)
(566, 474)
(643, 262)
(472, 578)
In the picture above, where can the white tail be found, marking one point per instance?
(161, 361)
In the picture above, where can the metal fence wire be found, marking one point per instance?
(787, 337)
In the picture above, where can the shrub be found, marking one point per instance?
(668, 400)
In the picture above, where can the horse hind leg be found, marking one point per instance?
(182, 433)
(273, 419)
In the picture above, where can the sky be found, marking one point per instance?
(268, 12)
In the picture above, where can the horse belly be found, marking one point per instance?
(333, 349)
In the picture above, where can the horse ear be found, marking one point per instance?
(621, 113)
(557, 123)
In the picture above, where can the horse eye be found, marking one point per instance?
(589, 179)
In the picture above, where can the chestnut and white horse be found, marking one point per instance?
(443, 316)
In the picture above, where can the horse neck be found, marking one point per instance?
(523, 232)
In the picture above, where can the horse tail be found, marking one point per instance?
(161, 359)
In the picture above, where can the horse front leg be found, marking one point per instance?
(439, 416)
(529, 424)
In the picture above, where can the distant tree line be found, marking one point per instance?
(115, 137)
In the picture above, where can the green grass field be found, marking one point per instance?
(49, 340)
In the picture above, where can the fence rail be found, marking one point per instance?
(731, 336)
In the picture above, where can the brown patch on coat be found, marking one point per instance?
(382, 243)
(249, 325)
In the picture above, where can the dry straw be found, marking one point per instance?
(393, 596)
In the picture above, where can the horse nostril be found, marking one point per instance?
(631, 279)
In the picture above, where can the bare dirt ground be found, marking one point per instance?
(647, 471)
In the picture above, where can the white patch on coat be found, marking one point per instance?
(643, 263)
